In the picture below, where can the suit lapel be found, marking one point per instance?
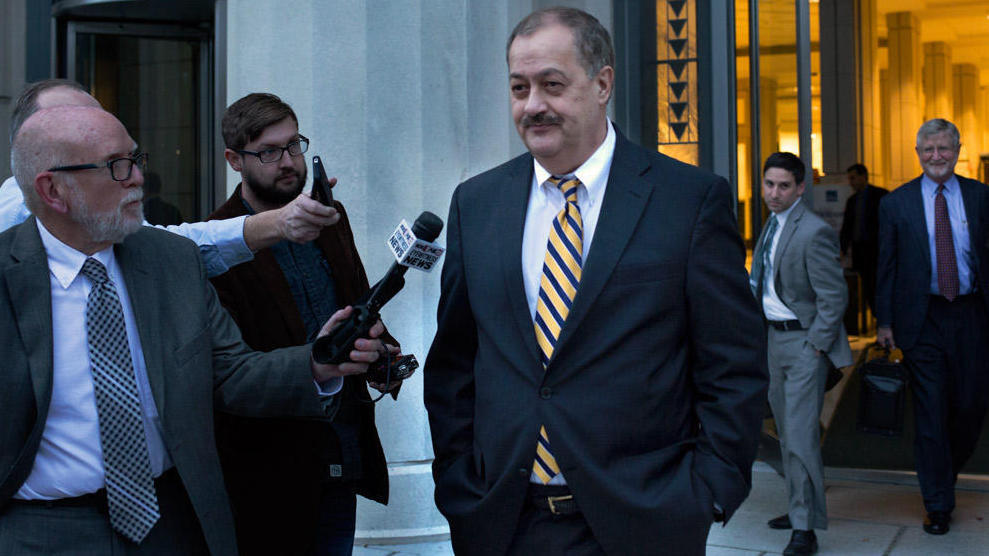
(30, 296)
(511, 209)
(915, 214)
(144, 301)
(624, 201)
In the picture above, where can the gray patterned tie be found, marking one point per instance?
(760, 260)
(130, 486)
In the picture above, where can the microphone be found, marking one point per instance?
(412, 248)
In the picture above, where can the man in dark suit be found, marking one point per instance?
(931, 301)
(860, 229)
(598, 375)
(798, 281)
(116, 350)
(292, 484)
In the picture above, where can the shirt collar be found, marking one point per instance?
(782, 216)
(929, 186)
(593, 173)
(66, 262)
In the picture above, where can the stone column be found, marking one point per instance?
(869, 91)
(966, 87)
(403, 101)
(904, 92)
(841, 110)
(937, 80)
(983, 113)
(13, 22)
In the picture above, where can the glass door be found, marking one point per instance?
(155, 78)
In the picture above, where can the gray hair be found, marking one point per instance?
(938, 125)
(45, 140)
(591, 39)
(27, 102)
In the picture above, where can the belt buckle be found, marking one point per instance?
(552, 500)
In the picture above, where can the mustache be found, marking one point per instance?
(135, 194)
(541, 119)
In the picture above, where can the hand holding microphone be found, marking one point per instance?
(412, 248)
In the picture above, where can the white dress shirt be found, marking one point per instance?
(69, 461)
(772, 305)
(545, 202)
(964, 257)
(221, 242)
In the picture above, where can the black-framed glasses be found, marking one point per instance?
(120, 168)
(274, 154)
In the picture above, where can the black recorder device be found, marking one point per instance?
(322, 190)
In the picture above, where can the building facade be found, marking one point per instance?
(403, 100)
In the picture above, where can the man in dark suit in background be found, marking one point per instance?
(931, 301)
(292, 483)
(860, 229)
(115, 351)
(598, 376)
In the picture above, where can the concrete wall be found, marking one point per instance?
(12, 45)
(403, 100)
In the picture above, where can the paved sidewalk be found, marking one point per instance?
(871, 513)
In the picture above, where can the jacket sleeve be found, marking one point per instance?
(727, 342)
(449, 375)
(830, 290)
(886, 264)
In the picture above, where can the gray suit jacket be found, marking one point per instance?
(809, 280)
(193, 352)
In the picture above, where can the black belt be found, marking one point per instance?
(91, 500)
(785, 325)
(554, 498)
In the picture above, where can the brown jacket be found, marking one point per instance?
(274, 467)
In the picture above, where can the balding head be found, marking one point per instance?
(46, 94)
(69, 136)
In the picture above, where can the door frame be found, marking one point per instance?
(204, 125)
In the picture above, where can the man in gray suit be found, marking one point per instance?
(797, 279)
(115, 351)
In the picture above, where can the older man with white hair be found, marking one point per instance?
(115, 352)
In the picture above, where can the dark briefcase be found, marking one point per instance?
(883, 394)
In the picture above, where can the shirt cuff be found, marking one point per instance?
(329, 387)
(221, 242)
(228, 238)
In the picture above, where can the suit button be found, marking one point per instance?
(545, 392)
(523, 472)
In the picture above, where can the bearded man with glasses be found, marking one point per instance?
(292, 483)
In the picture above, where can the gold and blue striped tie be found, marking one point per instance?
(557, 288)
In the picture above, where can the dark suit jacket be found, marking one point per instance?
(193, 351)
(654, 397)
(274, 468)
(903, 276)
(865, 248)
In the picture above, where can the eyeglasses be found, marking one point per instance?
(274, 154)
(120, 168)
(931, 149)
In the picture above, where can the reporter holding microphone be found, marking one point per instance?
(292, 482)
